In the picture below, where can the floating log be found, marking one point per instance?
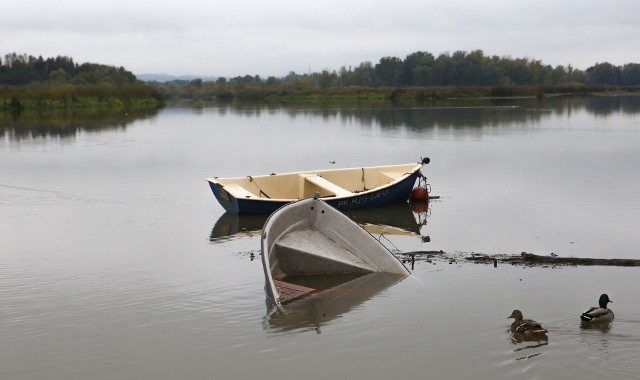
(533, 259)
(524, 258)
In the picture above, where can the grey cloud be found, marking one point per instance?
(272, 38)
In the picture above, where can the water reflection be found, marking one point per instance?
(338, 295)
(525, 343)
(608, 105)
(230, 226)
(517, 338)
(596, 336)
(398, 218)
(471, 114)
(467, 115)
(67, 123)
(602, 327)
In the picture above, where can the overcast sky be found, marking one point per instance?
(271, 38)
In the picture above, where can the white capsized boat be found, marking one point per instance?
(311, 238)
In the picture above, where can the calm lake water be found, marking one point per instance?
(116, 262)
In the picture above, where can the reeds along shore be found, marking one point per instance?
(18, 98)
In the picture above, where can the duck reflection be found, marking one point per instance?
(335, 296)
(399, 218)
(597, 337)
(602, 327)
(517, 338)
(525, 343)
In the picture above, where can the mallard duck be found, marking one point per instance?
(600, 314)
(525, 326)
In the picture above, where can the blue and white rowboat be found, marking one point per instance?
(343, 189)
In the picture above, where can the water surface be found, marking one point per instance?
(116, 261)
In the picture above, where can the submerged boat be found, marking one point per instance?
(335, 296)
(310, 238)
(343, 189)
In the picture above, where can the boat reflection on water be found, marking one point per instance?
(230, 226)
(336, 296)
(399, 218)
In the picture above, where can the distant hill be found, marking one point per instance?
(167, 77)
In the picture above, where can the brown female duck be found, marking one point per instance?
(525, 326)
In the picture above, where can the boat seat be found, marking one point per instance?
(308, 252)
(238, 191)
(328, 185)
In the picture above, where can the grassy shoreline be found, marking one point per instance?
(68, 96)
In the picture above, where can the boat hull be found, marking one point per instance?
(397, 191)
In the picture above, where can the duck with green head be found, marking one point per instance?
(525, 326)
(598, 314)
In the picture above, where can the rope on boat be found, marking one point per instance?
(390, 242)
(259, 189)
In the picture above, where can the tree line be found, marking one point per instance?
(35, 82)
(421, 69)
(60, 81)
(474, 69)
(443, 76)
(19, 69)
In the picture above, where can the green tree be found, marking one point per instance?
(604, 73)
(417, 69)
(631, 74)
(388, 72)
(363, 74)
(442, 70)
(59, 75)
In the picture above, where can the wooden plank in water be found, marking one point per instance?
(289, 291)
